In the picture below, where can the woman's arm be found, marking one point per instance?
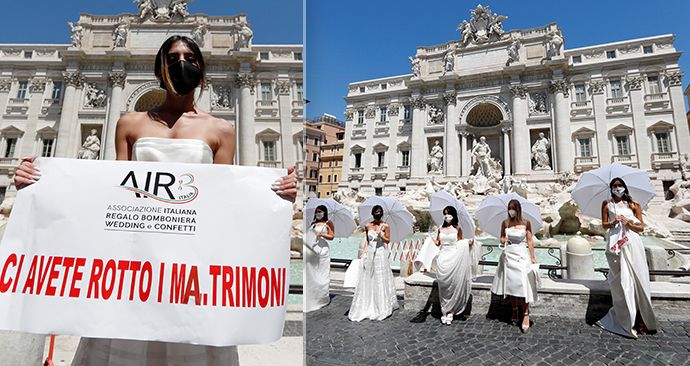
(459, 233)
(330, 233)
(605, 216)
(386, 233)
(437, 241)
(225, 154)
(530, 244)
(503, 238)
(639, 227)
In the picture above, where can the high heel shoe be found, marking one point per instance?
(524, 328)
(449, 319)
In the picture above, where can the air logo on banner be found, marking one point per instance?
(183, 192)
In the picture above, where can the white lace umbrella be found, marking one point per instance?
(442, 199)
(341, 216)
(593, 187)
(395, 214)
(494, 210)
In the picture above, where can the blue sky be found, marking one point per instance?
(45, 21)
(357, 40)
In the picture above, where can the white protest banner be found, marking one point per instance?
(189, 253)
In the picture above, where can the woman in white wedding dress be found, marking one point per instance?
(177, 131)
(513, 276)
(375, 296)
(317, 261)
(453, 267)
(628, 277)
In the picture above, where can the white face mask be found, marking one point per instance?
(618, 191)
(319, 215)
(448, 218)
(512, 213)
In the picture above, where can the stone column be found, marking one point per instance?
(37, 87)
(205, 96)
(418, 153)
(283, 88)
(73, 80)
(506, 151)
(347, 146)
(394, 111)
(675, 93)
(451, 159)
(5, 86)
(596, 89)
(246, 135)
(521, 145)
(564, 155)
(466, 165)
(643, 151)
(117, 83)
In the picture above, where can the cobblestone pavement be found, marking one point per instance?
(331, 339)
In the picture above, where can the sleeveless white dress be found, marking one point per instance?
(628, 278)
(513, 272)
(121, 352)
(453, 269)
(374, 296)
(317, 269)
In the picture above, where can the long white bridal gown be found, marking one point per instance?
(375, 296)
(513, 272)
(317, 269)
(121, 352)
(454, 275)
(628, 278)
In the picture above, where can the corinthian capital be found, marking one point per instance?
(560, 86)
(75, 79)
(673, 78)
(117, 78)
(417, 102)
(450, 98)
(518, 91)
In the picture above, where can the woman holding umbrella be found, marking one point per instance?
(317, 261)
(628, 277)
(609, 191)
(375, 296)
(513, 277)
(453, 265)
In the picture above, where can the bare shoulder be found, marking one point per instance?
(222, 126)
(605, 204)
(131, 119)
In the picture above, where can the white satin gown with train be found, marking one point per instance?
(374, 296)
(514, 266)
(121, 352)
(628, 278)
(317, 268)
(453, 271)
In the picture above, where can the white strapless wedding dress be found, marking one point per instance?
(512, 276)
(121, 352)
(454, 272)
(317, 269)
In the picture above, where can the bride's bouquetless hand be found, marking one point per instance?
(286, 186)
(27, 173)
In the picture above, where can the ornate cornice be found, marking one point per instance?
(518, 91)
(283, 87)
(417, 102)
(560, 86)
(117, 78)
(633, 82)
(673, 78)
(38, 85)
(75, 79)
(597, 87)
(450, 98)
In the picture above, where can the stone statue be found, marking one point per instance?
(95, 98)
(77, 33)
(449, 60)
(685, 165)
(481, 154)
(435, 115)
(513, 53)
(554, 44)
(120, 35)
(198, 34)
(537, 103)
(145, 9)
(179, 7)
(540, 153)
(91, 147)
(245, 35)
(482, 27)
(436, 159)
(416, 66)
(221, 97)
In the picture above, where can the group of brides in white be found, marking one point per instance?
(454, 253)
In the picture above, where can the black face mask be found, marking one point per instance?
(185, 77)
(378, 216)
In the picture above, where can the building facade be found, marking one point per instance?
(517, 103)
(64, 100)
(331, 154)
(313, 138)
